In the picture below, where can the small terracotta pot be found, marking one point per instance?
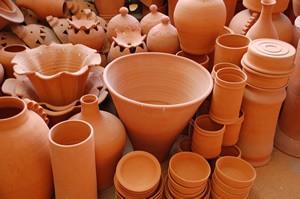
(232, 131)
(72, 154)
(231, 48)
(229, 86)
(207, 137)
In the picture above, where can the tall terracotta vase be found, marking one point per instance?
(287, 138)
(156, 95)
(72, 153)
(110, 138)
(264, 27)
(25, 168)
(199, 23)
(42, 9)
(261, 108)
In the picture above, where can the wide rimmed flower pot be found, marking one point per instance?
(156, 95)
(58, 72)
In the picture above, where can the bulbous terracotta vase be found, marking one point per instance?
(156, 95)
(110, 138)
(56, 8)
(261, 108)
(163, 37)
(151, 19)
(25, 167)
(264, 27)
(199, 23)
(72, 152)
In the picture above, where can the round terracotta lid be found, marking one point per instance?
(138, 171)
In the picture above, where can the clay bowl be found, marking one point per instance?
(264, 80)
(270, 56)
(160, 189)
(191, 191)
(138, 173)
(220, 192)
(241, 192)
(235, 172)
(155, 95)
(57, 72)
(197, 174)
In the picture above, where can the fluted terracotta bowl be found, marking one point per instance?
(58, 72)
(156, 95)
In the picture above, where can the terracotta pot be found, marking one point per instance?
(72, 153)
(163, 37)
(126, 42)
(232, 131)
(201, 59)
(232, 150)
(261, 108)
(227, 95)
(151, 19)
(109, 135)
(34, 35)
(184, 144)
(120, 21)
(287, 137)
(108, 9)
(255, 5)
(156, 98)
(231, 48)
(56, 8)
(86, 30)
(58, 83)
(196, 38)
(25, 167)
(1, 74)
(7, 54)
(10, 12)
(207, 137)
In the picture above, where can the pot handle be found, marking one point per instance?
(35, 107)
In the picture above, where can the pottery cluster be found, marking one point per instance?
(227, 80)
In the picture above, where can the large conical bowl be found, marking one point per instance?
(155, 95)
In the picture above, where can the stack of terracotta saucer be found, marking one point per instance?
(138, 175)
(187, 177)
(232, 178)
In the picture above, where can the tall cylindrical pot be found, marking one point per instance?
(199, 23)
(72, 153)
(110, 138)
(25, 168)
(261, 108)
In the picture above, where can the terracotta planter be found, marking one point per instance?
(207, 137)
(56, 8)
(109, 135)
(73, 160)
(163, 37)
(148, 98)
(227, 95)
(231, 48)
(25, 167)
(108, 9)
(261, 108)
(196, 38)
(58, 83)
(7, 54)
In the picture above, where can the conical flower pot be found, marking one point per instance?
(25, 167)
(261, 108)
(110, 138)
(155, 95)
(72, 152)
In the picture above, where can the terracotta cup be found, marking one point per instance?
(231, 48)
(72, 153)
(207, 137)
(227, 95)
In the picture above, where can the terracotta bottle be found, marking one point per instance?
(261, 108)
(110, 138)
(264, 27)
(199, 23)
(25, 167)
